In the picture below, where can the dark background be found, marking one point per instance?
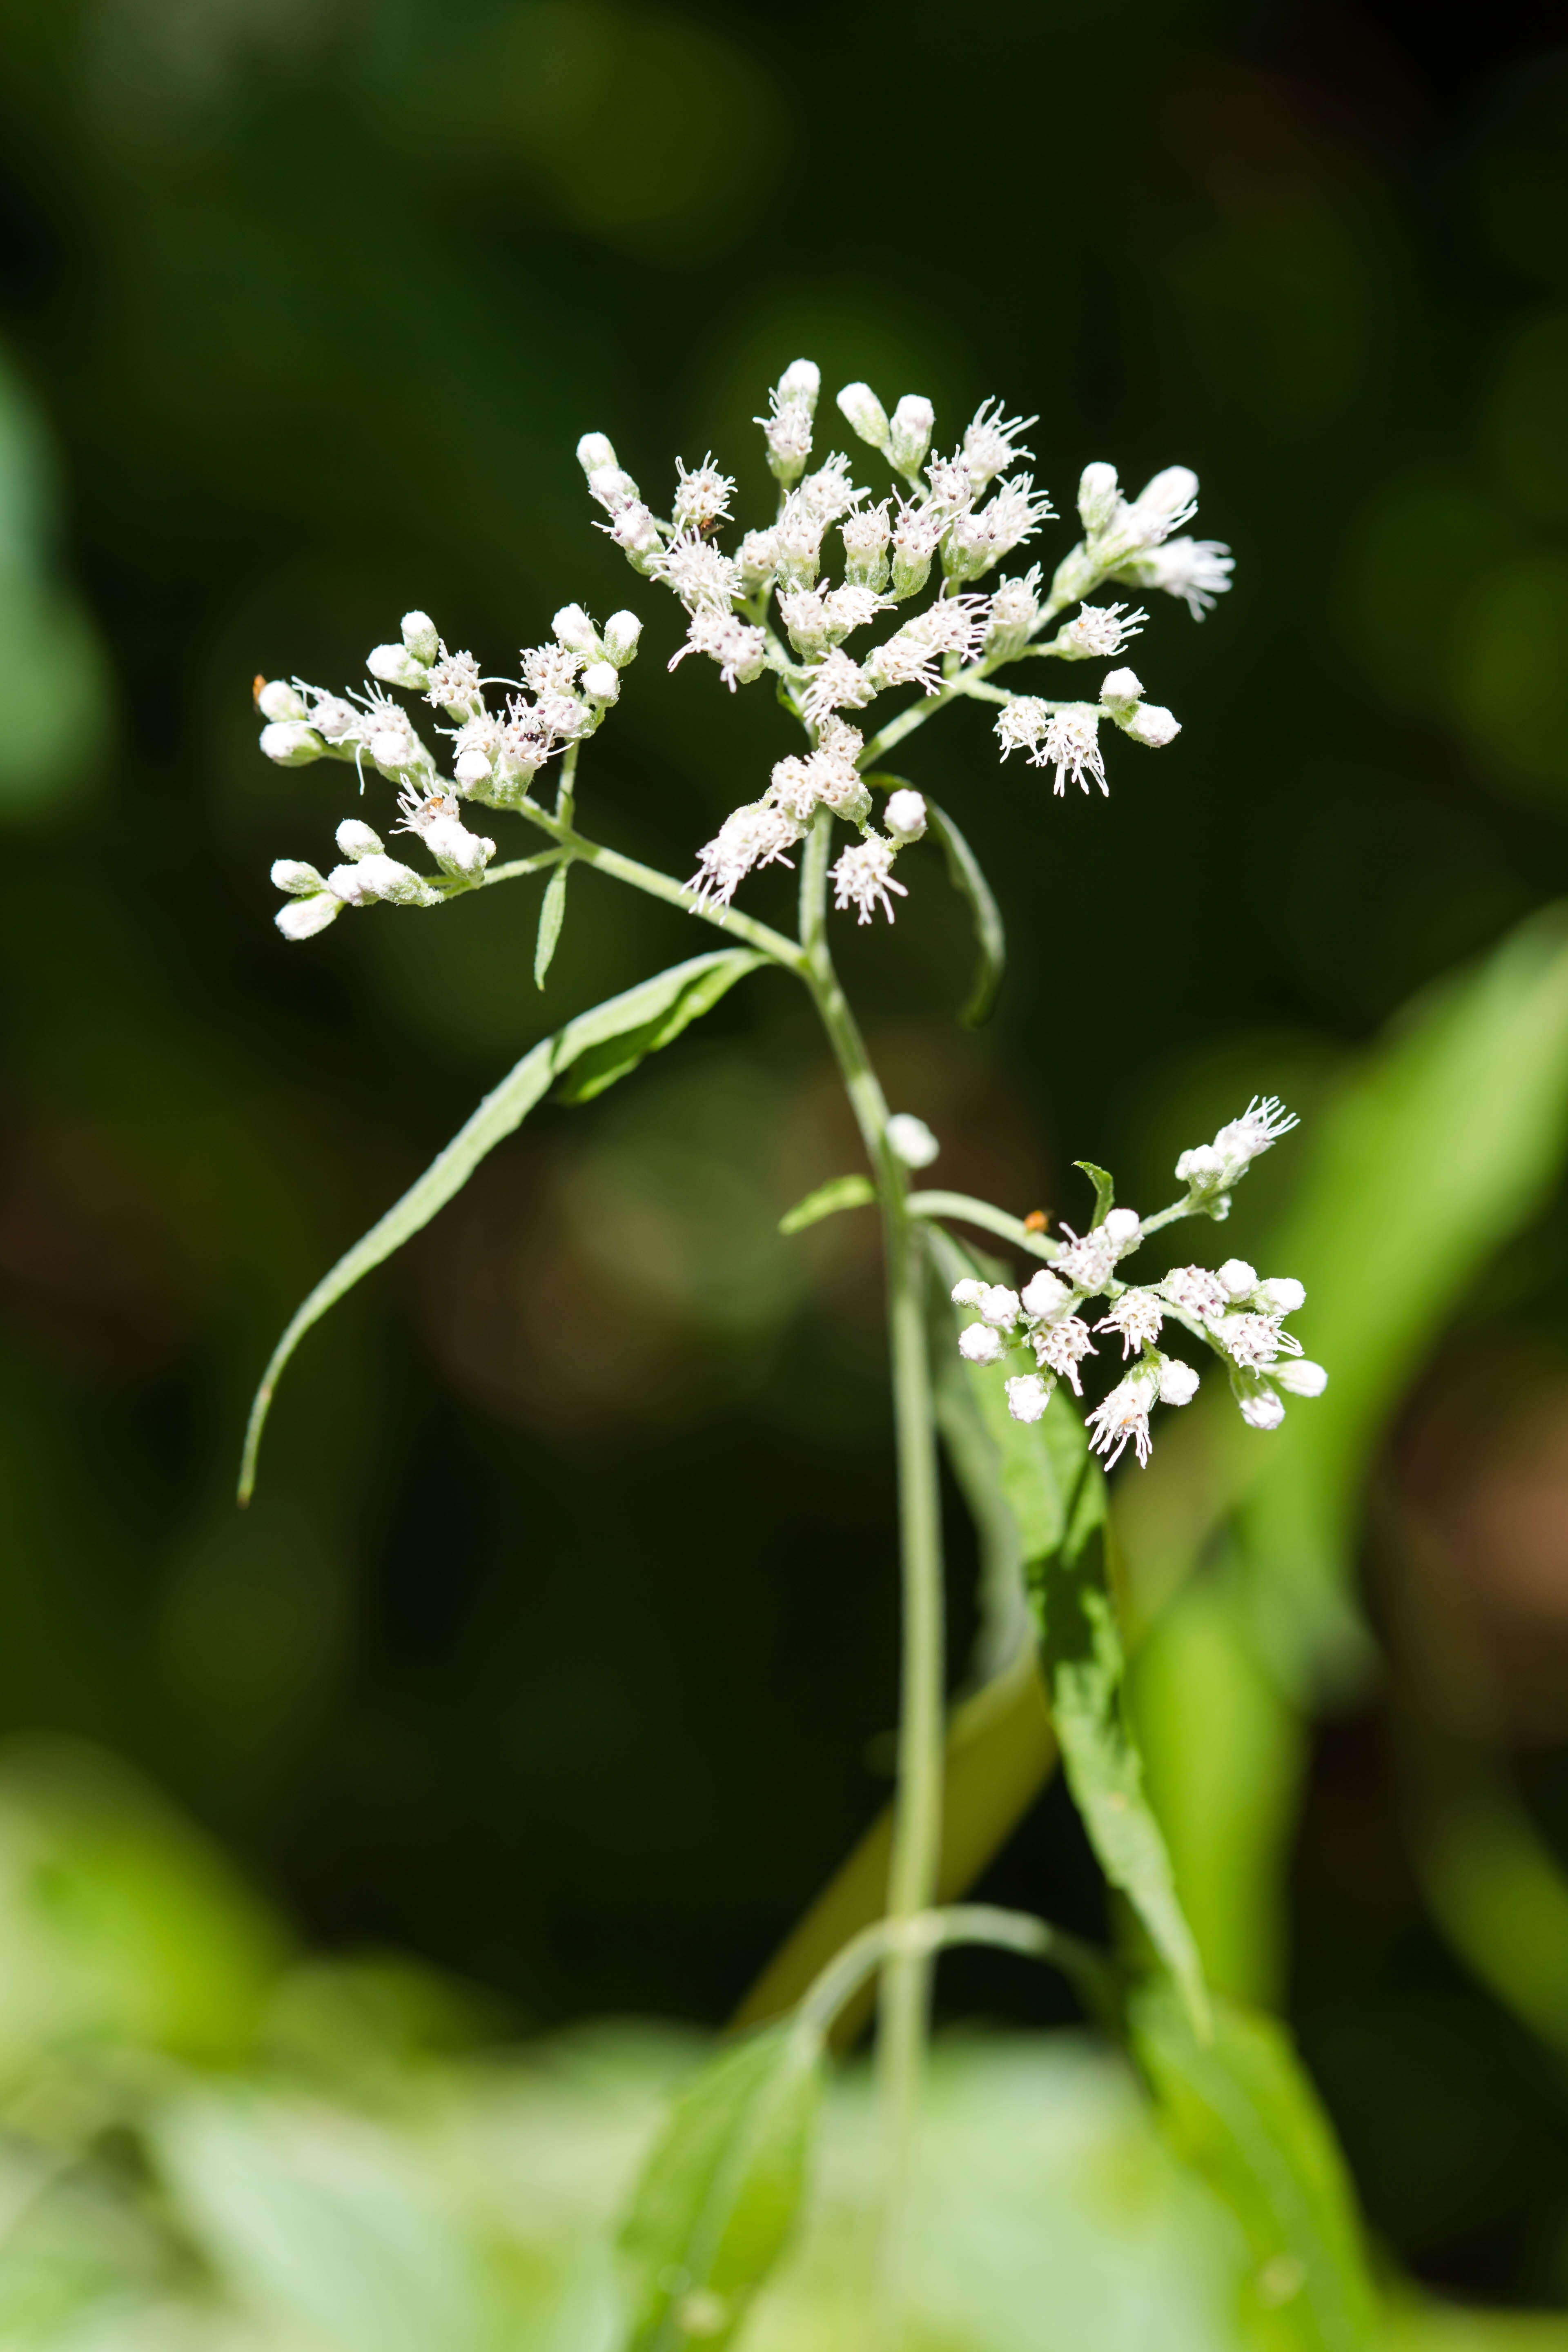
(559, 1646)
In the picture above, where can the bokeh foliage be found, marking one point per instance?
(559, 1644)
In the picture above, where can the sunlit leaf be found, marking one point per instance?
(552, 915)
(720, 2192)
(839, 1192)
(596, 1048)
(1240, 2108)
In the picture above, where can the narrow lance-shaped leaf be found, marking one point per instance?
(718, 2194)
(1104, 1189)
(552, 915)
(839, 1192)
(596, 1048)
(965, 873)
(1240, 2108)
(1054, 1490)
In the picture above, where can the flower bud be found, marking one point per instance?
(1283, 1295)
(1150, 724)
(999, 1305)
(301, 918)
(356, 840)
(279, 700)
(292, 744)
(419, 634)
(1118, 691)
(1262, 1406)
(865, 538)
(575, 630)
(384, 877)
(801, 381)
(1123, 1229)
(864, 414)
(1099, 498)
(613, 489)
(622, 631)
(1169, 499)
(1043, 1295)
(967, 1293)
(1300, 1377)
(395, 666)
(908, 434)
(1028, 1396)
(601, 682)
(912, 1140)
(757, 556)
(1178, 1382)
(595, 452)
(977, 1342)
(906, 817)
(293, 874)
(1238, 1278)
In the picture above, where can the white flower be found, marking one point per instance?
(829, 492)
(861, 409)
(803, 614)
(787, 425)
(475, 748)
(1138, 1316)
(1015, 615)
(388, 736)
(1027, 1396)
(1099, 500)
(1100, 632)
(793, 789)
(968, 1292)
(1150, 724)
(977, 541)
(355, 839)
(1196, 570)
(1123, 1415)
(1262, 1407)
(797, 546)
(1214, 1168)
(1045, 1296)
(337, 720)
(1120, 692)
(864, 537)
(381, 877)
(701, 498)
(435, 818)
(699, 574)
(1055, 735)
(739, 649)
(916, 536)
(757, 558)
(991, 442)
(1089, 1259)
(1254, 1341)
(526, 738)
(1236, 1278)
(395, 666)
(910, 432)
(1302, 1377)
(905, 815)
(299, 881)
(1178, 1382)
(911, 655)
(912, 1140)
(757, 835)
(998, 1305)
(1195, 1291)
(1062, 1348)
(1162, 505)
(601, 683)
(562, 715)
(864, 876)
(572, 628)
(1281, 1294)
(301, 918)
(835, 684)
(418, 631)
(977, 1342)
(279, 700)
(637, 533)
(551, 669)
(453, 685)
(852, 607)
(622, 631)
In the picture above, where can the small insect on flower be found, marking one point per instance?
(701, 497)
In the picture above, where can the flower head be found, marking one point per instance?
(1028, 1395)
(758, 834)
(1137, 1317)
(701, 498)
(1122, 1417)
(864, 876)
(1061, 1347)
(991, 442)
(1196, 570)
(1100, 632)
(835, 684)
(739, 649)
(452, 682)
(697, 572)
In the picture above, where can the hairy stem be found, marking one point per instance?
(917, 1819)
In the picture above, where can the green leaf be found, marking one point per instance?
(552, 915)
(964, 872)
(839, 1192)
(1052, 1488)
(1104, 1189)
(1240, 2108)
(718, 2194)
(598, 1047)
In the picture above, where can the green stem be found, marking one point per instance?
(935, 1931)
(761, 936)
(905, 2003)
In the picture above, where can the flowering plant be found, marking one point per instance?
(786, 601)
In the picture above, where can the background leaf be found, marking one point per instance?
(552, 915)
(964, 871)
(718, 2194)
(1240, 2108)
(839, 1192)
(605, 1044)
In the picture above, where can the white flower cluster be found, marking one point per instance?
(1210, 1170)
(562, 697)
(957, 516)
(1240, 1317)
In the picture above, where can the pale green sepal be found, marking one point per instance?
(610, 1040)
(839, 1192)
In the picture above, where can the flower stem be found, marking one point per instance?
(905, 2001)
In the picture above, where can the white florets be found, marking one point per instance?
(991, 442)
(864, 876)
(1137, 1317)
(758, 834)
(699, 574)
(701, 497)
(1063, 736)
(739, 649)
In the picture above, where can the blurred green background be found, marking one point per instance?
(558, 1650)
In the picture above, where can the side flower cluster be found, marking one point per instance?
(773, 603)
(565, 689)
(1239, 1315)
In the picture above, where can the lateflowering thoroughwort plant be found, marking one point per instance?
(896, 572)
